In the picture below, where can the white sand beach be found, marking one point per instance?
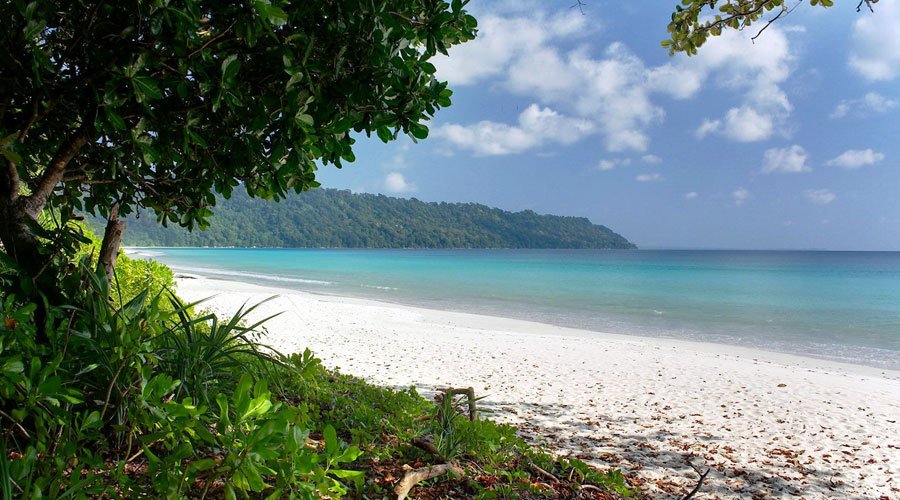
(768, 424)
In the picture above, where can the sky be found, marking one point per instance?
(790, 141)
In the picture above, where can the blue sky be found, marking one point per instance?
(789, 142)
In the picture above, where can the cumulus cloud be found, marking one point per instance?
(743, 124)
(876, 43)
(649, 178)
(614, 163)
(790, 160)
(755, 72)
(740, 196)
(502, 40)
(691, 195)
(523, 53)
(533, 54)
(396, 183)
(820, 196)
(855, 158)
(651, 159)
(611, 91)
(869, 104)
(536, 126)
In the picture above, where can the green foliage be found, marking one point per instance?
(164, 102)
(332, 218)
(694, 21)
(140, 395)
(111, 388)
(206, 354)
(135, 276)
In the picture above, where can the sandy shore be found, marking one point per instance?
(767, 424)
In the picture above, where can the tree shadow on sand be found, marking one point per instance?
(666, 463)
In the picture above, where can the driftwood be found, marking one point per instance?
(696, 489)
(469, 392)
(545, 474)
(416, 476)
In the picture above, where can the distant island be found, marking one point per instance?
(330, 218)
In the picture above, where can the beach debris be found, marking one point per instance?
(415, 476)
(699, 482)
(469, 392)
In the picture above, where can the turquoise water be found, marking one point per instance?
(836, 305)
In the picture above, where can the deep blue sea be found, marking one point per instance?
(836, 305)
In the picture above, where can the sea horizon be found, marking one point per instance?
(639, 249)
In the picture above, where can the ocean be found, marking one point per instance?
(842, 306)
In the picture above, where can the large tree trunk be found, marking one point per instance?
(109, 249)
(18, 213)
(23, 247)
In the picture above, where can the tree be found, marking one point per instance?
(694, 21)
(108, 107)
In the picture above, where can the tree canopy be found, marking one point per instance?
(332, 218)
(694, 21)
(108, 107)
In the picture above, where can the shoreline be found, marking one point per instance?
(531, 327)
(744, 333)
(767, 423)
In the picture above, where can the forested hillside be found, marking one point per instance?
(333, 218)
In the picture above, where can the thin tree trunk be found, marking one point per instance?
(109, 249)
(19, 242)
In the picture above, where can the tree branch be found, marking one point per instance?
(212, 40)
(34, 203)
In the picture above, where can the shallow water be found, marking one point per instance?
(836, 305)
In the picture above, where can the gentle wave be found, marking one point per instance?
(377, 287)
(270, 277)
(141, 253)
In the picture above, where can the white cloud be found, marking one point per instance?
(869, 104)
(526, 52)
(610, 91)
(396, 183)
(876, 43)
(611, 164)
(677, 80)
(820, 196)
(755, 72)
(500, 41)
(746, 124)
(691, 195)
(855, 158)
(708, 127)
(649, 178)
(651, 159)
(790, 160)
(525, 56)
(537, 126)
(740, 196)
